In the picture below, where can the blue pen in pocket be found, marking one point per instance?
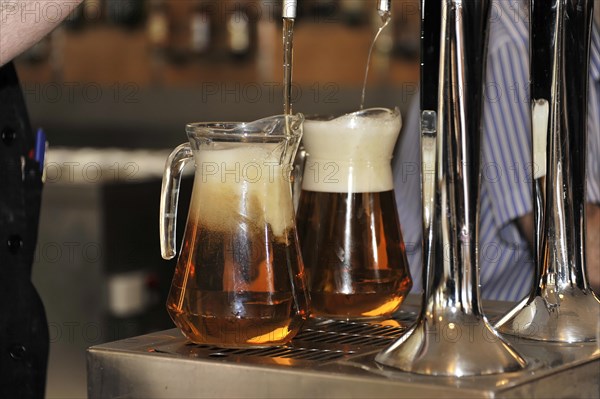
(40, 150)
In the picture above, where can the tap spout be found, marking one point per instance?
(289, 9)
(384, 8)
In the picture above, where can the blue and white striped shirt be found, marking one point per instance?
(506, 265)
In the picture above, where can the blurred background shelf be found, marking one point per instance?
(107, 80)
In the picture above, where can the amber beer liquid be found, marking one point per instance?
(239, 280)
(347, 220)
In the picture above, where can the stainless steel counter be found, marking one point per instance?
(332, 359)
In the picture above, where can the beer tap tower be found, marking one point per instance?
(451, 336)
(561, 306)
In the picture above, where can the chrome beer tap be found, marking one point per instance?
(384, 8)
(289, 9)
(451, 336)
(289, 16)
(561, 306)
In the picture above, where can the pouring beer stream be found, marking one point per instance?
(289, 14)
(384, 9)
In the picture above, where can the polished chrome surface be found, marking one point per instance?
(430, 67)
(290, 9)
(332, 359)
(451, 336)
(384, 7)
(561, 307)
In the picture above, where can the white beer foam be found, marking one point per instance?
(242, 184)
(352, 153)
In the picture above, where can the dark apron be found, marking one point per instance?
(23, 326)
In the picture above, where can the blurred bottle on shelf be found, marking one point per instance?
(268, 39)
(201, 28)
(126, 13)
(353, 12)
(158, 38)
(239, 34)
(158, 26)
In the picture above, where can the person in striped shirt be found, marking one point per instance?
(506, 221)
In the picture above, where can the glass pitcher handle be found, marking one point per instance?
(169, 197)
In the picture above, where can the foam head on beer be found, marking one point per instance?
(242, 184)
(351, 153)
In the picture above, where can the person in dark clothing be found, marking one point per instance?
(23, 327)
(24, 337)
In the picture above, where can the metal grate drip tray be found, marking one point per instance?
(319, 341)
(345, 335)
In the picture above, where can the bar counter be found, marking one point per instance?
(332, 359)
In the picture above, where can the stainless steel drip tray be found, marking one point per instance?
(326, 359)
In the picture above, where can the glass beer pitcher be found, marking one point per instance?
(239, 279)
(347, 219)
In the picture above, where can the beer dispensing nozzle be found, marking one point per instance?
(384, 8)
(289, 15)
(289, 9)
